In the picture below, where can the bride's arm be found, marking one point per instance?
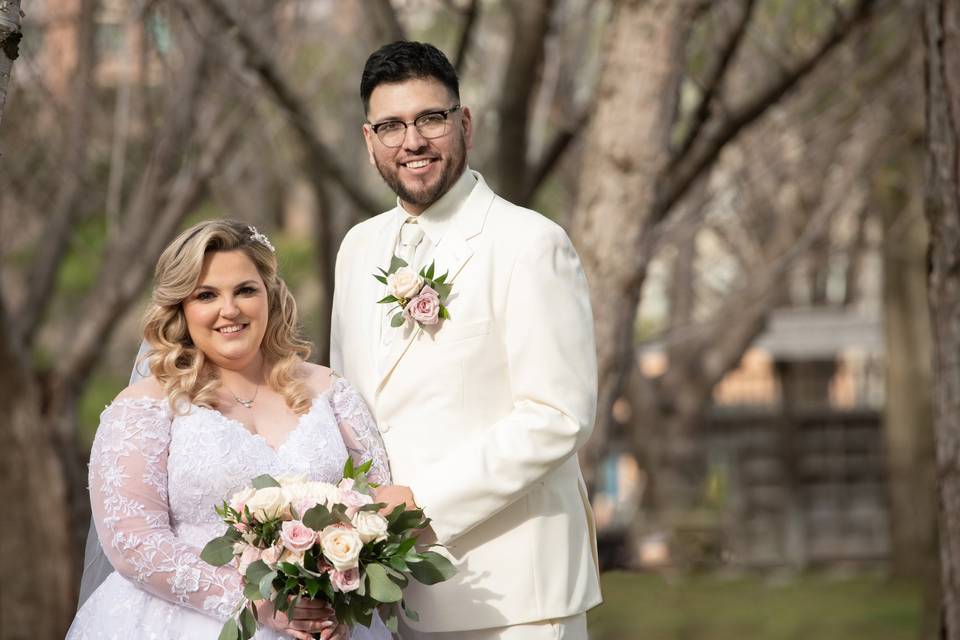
(359, 431)
(128, 493)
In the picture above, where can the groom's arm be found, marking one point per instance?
(551, 353)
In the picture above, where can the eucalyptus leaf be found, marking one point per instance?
(230, 631)
(266, 585)
(218, 551)
(441, 279)
(443, 313)
(432, 568)
(248, 624)
(380, 278)
(318, 517)
(256, 571)
(396, 262)
(251, 591)
(397, 320)
(264, 481)
(387, 299)
(410, 613)
(382, 588)
(376, 506)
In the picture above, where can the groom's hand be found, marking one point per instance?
(394, 495)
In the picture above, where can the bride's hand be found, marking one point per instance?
(303, 620)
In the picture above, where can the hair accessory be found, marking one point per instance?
(256, 236)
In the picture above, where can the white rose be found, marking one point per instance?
(291, 479)
(267, 503)
(240, 498)
(371, 526)
(404, 283)
(341, 545)
(304, 496)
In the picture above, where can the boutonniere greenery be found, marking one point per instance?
(418, 296)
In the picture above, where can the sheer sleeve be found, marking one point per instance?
(359, 431)
(128, 494)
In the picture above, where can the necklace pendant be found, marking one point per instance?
(246, 403)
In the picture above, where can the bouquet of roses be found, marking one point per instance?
(291, 538)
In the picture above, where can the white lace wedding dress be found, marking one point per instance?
(155, 478)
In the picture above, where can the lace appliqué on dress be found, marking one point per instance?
(358, 429)
(128, 489)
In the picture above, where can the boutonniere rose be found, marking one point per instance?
(419, 296)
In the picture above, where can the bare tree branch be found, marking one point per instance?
(531, 22)
(321, 160)
(551, 157)
(385, 21)
(10, 41)
(466, 35)
(702, 156)
(715, 79)
(53, 246)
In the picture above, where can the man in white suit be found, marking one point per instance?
(483, 412)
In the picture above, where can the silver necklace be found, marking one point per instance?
(247, 404)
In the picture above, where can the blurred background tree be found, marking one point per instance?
(741, 178)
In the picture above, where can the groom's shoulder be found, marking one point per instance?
(522, 226)
(364, 231)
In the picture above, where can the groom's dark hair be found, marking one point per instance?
(405, 60)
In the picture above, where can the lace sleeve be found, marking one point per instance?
(128, 494)
(359, 431)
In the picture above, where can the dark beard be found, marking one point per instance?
(427, 197)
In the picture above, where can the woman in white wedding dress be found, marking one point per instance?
(230, 397)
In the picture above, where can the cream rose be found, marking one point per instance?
(371, 526)
(341, 545)
(307, 495)
(404, 283)
(271, 555)
(240, 498)
(267, 503)
(293, 557)
(250, 555)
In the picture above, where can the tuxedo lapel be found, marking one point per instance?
(450, 255)
(378, 256)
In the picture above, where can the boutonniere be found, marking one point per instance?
(418, 296)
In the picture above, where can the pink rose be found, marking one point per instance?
(345, 581)
(271, 555)
(296, 536)
(353, 500)
(425, 308)
(250, 555)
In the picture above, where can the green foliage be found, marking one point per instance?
(218, 551)
(642, 605)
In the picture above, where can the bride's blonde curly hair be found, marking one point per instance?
(182, 369)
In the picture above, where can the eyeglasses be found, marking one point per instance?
(429, 125)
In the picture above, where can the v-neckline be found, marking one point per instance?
(301, 421)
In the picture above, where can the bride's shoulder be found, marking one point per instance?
(318, 377)
(146, 389)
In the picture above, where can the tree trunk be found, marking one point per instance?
(942, 36)
(9, 40)
(626, 150)
(37, 597)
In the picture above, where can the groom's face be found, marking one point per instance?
(420, 170)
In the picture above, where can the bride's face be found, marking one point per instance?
(227, 312)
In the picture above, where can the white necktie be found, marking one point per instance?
(411, 234)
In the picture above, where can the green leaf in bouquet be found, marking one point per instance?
(256, 571)
(288, 568)
(404, 547)
(441, 279)
(380, 278)
(248, 624)
(410, 613)
(396, 262)
(313, 587)
(339, 511)
(230, 631)
(218, 551)
(388, 300)
(318, 517)
(430, 271)
(443, 314)
(366, 466)
(397, 320)
(375, 506)
(264, 481)
(443, 290)
(349, 471)
(251, 590)
(266, 585)
(381, 587)
(408, 519)
(432, 568)
(398, 563)
(292, 583)
(380, 269)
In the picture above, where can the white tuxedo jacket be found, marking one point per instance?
(482, 415)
